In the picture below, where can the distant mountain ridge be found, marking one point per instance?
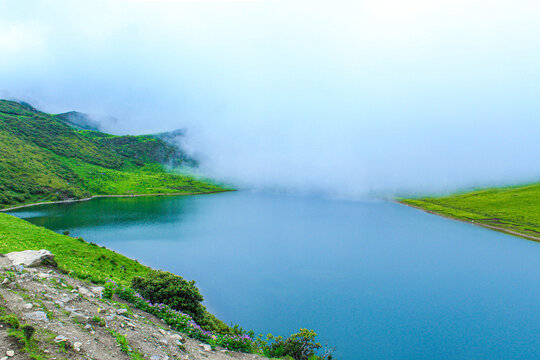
(45, 158)
(79, 121)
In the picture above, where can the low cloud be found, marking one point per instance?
(348, 98)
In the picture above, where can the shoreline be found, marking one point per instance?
(109, 196)
(491, 227)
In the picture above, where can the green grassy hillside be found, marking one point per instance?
(515, 209)
(43, 158)
(81, 259)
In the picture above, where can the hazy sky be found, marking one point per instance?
(345, 97)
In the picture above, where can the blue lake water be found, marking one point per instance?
(378, 280)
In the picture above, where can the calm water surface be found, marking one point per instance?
(376, 279)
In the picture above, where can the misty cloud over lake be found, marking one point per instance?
(348, 98)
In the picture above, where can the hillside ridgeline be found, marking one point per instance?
(45, 157)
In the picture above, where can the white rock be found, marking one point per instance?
(4, 358)
(10, 353)
(30, 257)
(206, 347)
(85, 292)
(97, 290)
(162, 331)
(43, 276)
(164, 341)
(28, 306)
(77, 346)
(37, 315)
(6, 280)
(121, 311)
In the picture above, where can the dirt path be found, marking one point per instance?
(72, 321)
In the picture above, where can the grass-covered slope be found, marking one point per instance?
(513, 209)
(43, 158)
(81, 259)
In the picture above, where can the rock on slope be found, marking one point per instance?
(73, 321)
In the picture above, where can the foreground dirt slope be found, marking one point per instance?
(72, 321)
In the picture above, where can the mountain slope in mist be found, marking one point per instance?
(43, 158)
(79, 121)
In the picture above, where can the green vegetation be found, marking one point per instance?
(122, 341)
(74, 256)
(43, 158)
(299, 346)
(166, 288)
(99, 321)
(24, 335)
(515, 209)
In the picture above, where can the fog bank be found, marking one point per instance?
(347, 98)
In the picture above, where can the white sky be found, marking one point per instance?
(343, 97)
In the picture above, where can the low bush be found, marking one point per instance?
(10, 320)
(161, 287)
(298, 346)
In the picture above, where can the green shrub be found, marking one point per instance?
(28, 331)
(299, 346)
(108, 290)
(160, 287)
(99, 321)
(10, 320)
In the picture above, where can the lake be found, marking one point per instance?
(376, 279)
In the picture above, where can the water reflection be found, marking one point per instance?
(107, 211)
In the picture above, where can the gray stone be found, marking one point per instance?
(28, 306)
(206, 347)
(97, 290)
(121, 311)
(37, 315)
(79, 317)
(31, 257)
(164, 341)
(85, 292)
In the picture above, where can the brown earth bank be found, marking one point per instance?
(72, 321)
